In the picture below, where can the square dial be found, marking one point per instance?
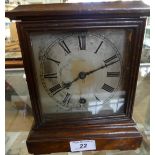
(81, 72)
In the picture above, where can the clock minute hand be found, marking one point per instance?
(92, 71)
(102, 67)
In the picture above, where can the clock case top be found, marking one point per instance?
(118, 131)
(79, 10)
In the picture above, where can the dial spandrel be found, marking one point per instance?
(80, 72)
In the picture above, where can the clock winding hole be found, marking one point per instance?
(82, 100)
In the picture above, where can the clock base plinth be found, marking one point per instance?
(109, 137)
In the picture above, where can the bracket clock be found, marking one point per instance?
(81, 62)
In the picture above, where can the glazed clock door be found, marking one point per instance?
(81, 72)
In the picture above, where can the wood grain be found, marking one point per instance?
(51, 133)
(107, 138)
(106, 9)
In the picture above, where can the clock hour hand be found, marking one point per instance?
(67, 85)
(57, 88)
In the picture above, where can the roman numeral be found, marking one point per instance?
(67, 98)
(56, 61)
(98, 47)
(65, 47)
(82, 41)
(107, 88)
(55, 89)
(113, 74)
(51, 75)
(111, 60)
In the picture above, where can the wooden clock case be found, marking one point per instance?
(110, 132)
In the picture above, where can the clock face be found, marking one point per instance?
(80, 71)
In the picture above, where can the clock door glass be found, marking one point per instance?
(81, 72)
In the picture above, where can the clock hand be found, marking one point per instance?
(67, 85)
(82, 75)
(102, 67)
(92, 71)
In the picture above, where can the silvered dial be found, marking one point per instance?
(81, 71)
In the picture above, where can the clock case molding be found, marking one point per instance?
(110, 132)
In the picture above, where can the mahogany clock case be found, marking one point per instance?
(116, 131)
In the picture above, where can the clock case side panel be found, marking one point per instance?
(112, 132)
(134, 66)
(25, 45)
